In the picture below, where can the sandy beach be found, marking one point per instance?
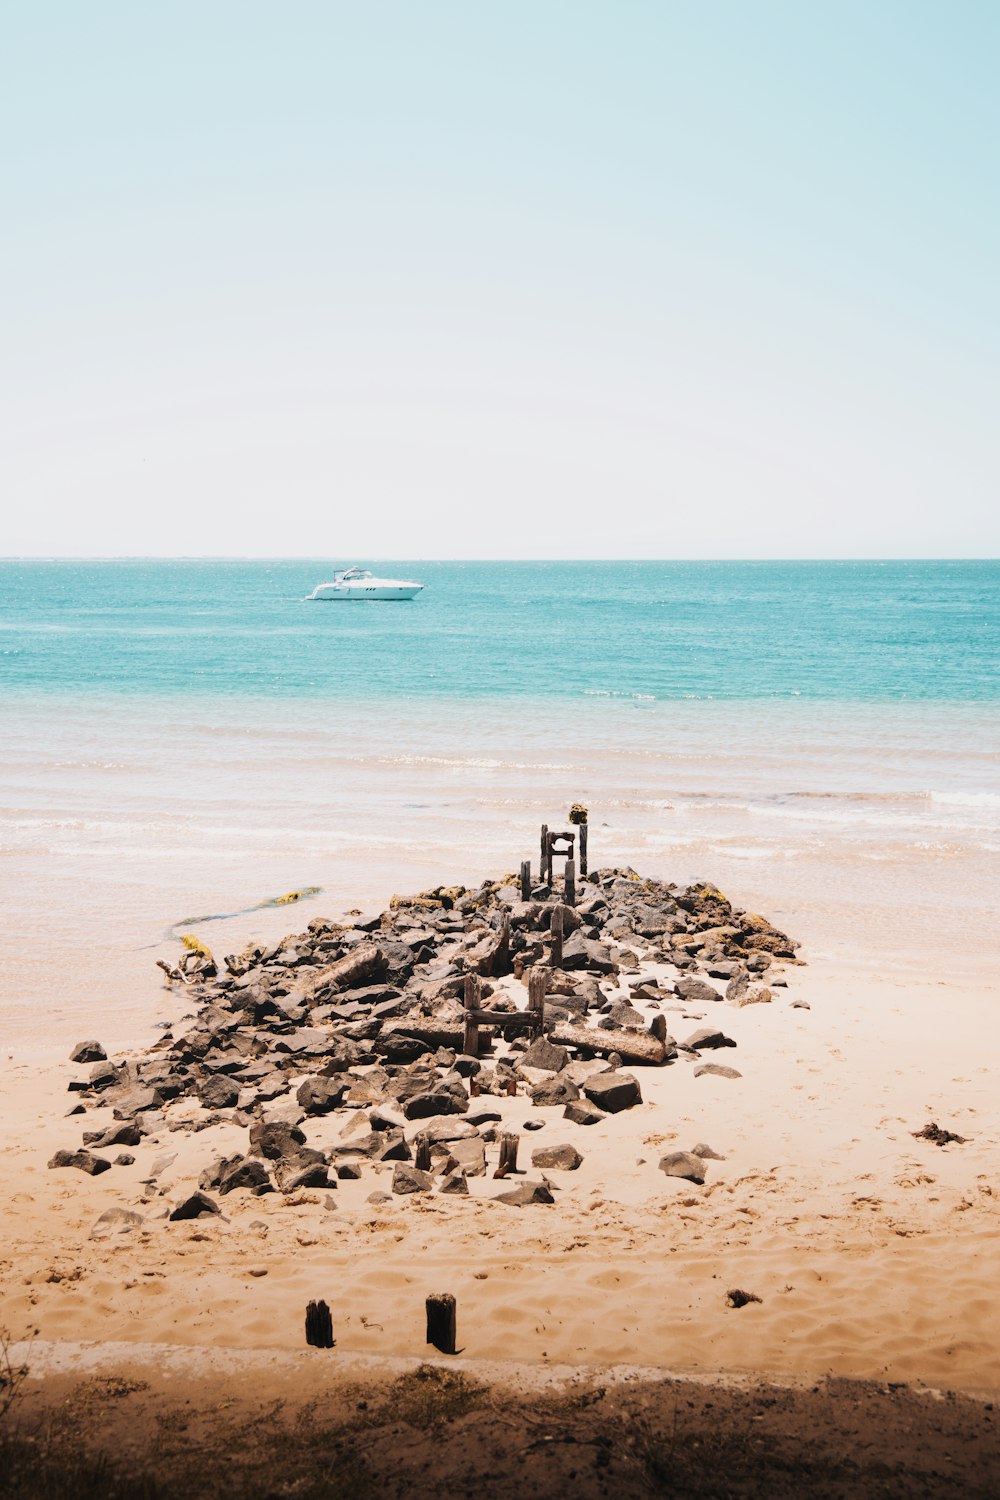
(872, 1252)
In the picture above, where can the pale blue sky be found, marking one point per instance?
(514, 279)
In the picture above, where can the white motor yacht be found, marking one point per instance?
(358, 583)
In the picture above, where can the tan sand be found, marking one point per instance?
(874, 1254)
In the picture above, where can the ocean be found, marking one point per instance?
(187, 739)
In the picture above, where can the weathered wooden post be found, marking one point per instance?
(508, 1154)
(441, 1322)
(557, 934)
(422, 1155)
(583, 851)
(570, 882)
(538, 983)
(501, 954)
(473, 999)
(526, 880)
(545, 870)
(319, 1325)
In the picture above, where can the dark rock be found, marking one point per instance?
(124, 1159)
(719, 1070)
(581, 952)
(394, 1146)
(801, 1005)
(195, 1207)
(566, 1158)
(218, 1093)
(533, 1125)
(275, 1139)
(435, 1102)
(348, 1171)
(306, 1170)
(407, 1179)
(104, 1075)
(696, 991)
(526, 1193)
(88, 1052)
(559, 1090)
(683, 1164)
(320, 1096)
(940, 1137)
(544, 1054)
(454, 1183)
(126, 1133)
(582, 1112)
(92, 1165)
(396, 1048)
(735, 1297)
(707, 1038)
(613, 1092)
(230, 1173)
(134, 1101)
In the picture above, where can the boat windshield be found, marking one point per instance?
(349, 575)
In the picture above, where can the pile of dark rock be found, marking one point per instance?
(367, 1020)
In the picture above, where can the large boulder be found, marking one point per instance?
(613, 1091)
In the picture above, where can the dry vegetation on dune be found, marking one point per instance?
(434, 1430)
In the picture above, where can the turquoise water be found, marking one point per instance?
(842, 632)
(820, 739)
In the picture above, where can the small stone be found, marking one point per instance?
(116, 1221)
(706, 1152)
(526, 1193)
(88, 1052)
(696, 991)
(124, 1159)
(707, 1038)
(719, 1070)
(533, 1125)
(348, 1171)
(684, 1164)
(801, 1005)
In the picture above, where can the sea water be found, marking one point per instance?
(189, 738)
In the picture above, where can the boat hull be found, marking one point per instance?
(361, 593)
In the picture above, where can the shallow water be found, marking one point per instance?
(187, 739)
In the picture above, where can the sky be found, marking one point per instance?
(409, 278)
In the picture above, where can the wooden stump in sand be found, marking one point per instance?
(441, 1322)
